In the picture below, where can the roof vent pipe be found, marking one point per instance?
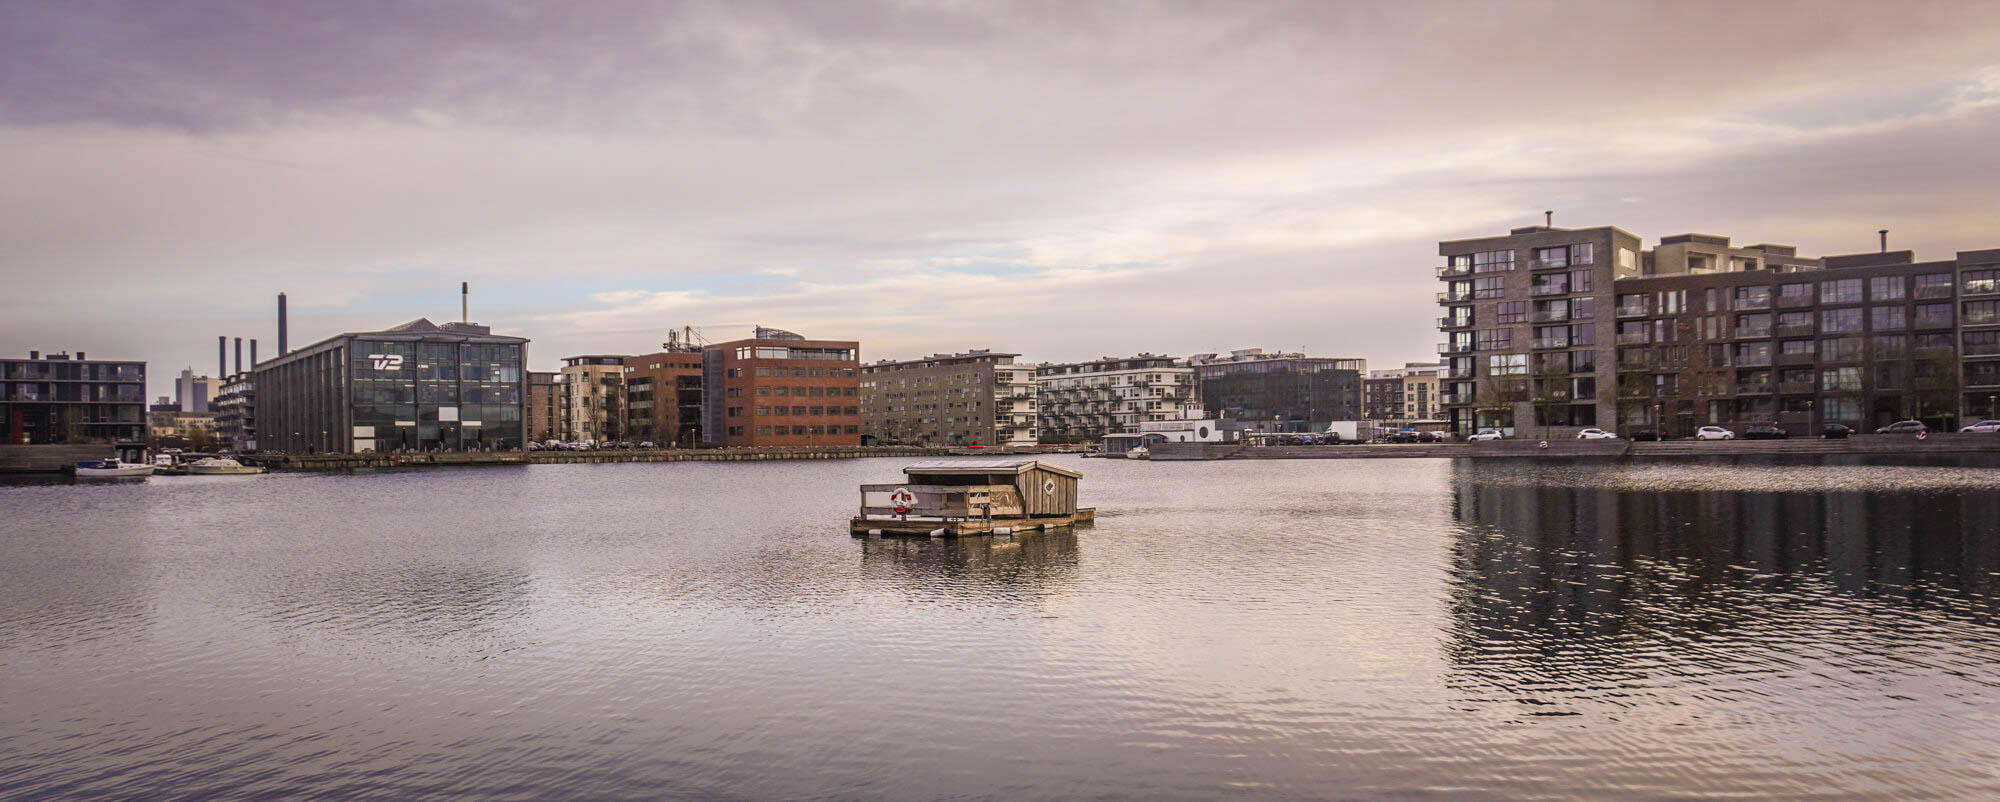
(1885, 239)
(1549, 219)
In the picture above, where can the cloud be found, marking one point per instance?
(1064, 180)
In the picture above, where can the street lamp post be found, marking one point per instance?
(1659, 422)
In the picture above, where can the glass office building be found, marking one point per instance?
(416, 387)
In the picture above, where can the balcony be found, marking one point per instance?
(1550, 316)
(1543, 264)
(1794, 301)
(1795, 388)
(1455, 399)
(1451, 297)
(1799, 358)
(1454, 323)
(1750, 304)
(1752, 333)
(1549, 342)
(1795, 330)
(1931, 322)
(1454, 348)
(1635, 310)
(1458, 373)
(1454, 270)
(1642, 338)
(1754, 388)
(1539, 290)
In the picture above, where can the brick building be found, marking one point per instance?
(781, 389)
(663, 397)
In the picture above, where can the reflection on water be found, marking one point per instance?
(1258, 629)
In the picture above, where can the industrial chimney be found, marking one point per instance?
(464, 302)
(283, 349)
(239, 355)
(222, 355)
(253, 353)
(1885, 239)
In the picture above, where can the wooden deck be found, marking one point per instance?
(893, 526)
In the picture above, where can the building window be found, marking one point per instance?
(1933, 315)
(1840, 291)
(1832, 321)
(1933, 285)
(1795, 322)
(1582, 308)
(1495, 339)
(1483, 288)
(1507, 365)
(1758, 325)
(1981, 312)
(1794, 347)
(1887, 288)
(1840, 380)
(1492, 261)
(1751, 298)
(1982, 343)
(1511, 312)
(1840, 408)
(1795, 295)
(1979, 282)
(1579, 280)
(1840, 349)
(1888, 318)
(1890, 346)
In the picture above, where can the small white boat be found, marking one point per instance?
(220, 466)
(1138, 452)
(111, 469)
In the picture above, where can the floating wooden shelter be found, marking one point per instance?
(947, 498)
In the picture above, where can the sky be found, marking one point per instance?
(1057, 179)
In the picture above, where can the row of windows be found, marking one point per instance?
(800, 412)
(790, 431)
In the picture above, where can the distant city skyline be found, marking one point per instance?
(1062, 182)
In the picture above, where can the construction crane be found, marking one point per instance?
(684, 340)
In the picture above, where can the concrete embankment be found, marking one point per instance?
(342, 462)
(1943, 443)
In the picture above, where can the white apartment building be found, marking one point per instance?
(591, 398)
(1113, 395)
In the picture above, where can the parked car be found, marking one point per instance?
(1649, 434)
(1595, 434)
(1988, 426)
(1487, 434)
(1765, 431)
(1402, 437)
(1433, 437)
(1903, 427)
(1713, 433)
(647, 444)
(1835, 431)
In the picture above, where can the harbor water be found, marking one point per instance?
(1251, 630)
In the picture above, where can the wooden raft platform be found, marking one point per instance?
(889, 526)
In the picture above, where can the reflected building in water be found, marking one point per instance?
(1546, 573)
(1037, 562)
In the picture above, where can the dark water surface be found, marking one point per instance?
(1227, 630)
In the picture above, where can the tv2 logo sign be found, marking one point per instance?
(387, 361)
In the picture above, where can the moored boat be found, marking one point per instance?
(111, 469)
(221, 466)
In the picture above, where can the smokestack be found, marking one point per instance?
(222, 356)
(239, 355)
(1549, 218)
(282, 348)
(253, 353)
(464, 302)
(1885, 239)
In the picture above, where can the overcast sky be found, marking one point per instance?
(1065, 180)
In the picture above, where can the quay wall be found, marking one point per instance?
(1941, 443)
(17, 458)
(343, 462)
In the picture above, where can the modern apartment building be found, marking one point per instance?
(1113, 395)
(419, 386)
(663, 397)
(544, 402)
(1554, 329)
(55, 398)
(1281, 391)
(236, 412)
(781, 389)
(976, 398)
(592, 398)
(1408, 393)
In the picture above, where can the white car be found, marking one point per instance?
(1595, 434)
(1487, 434)
(1984, 427)
(1713, 433)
